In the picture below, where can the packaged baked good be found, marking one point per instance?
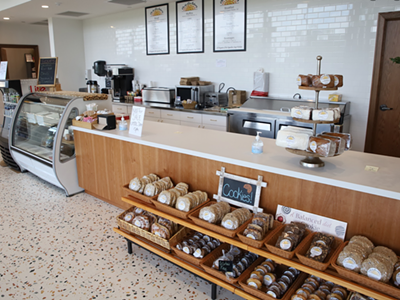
(338, 80)
(323, 81)
(376, 268)
(345, 136)
(301, 112)
(340, 143)
(321, 146)
(236, 218)
(363, 241)
(350, 258)
(303, 80)
(387, 252)
(318, 252)
(396, 278)
(138, 184)
(215, 212)
(323, 114)
(293, 138)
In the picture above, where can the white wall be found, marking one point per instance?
(66, 42)
(284, 37)
(26, 34)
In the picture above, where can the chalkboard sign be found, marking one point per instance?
(225, 265)
(47, 71)
(240, 191)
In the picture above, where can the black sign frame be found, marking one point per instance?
(48, 64)
(240, 191)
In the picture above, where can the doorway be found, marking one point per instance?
(22, 60)
(383, 129)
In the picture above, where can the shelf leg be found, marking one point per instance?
(129, 243)
(213, 291)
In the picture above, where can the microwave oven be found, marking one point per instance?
(193, 92)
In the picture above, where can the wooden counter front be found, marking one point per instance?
(106, 164)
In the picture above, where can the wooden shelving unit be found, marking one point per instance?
(330, 275)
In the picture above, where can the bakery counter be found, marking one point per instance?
(343, 190)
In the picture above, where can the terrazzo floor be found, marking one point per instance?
(58, 247)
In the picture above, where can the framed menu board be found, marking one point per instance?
(230, 25)
(190, 26)
(157, 29)
(47, 71)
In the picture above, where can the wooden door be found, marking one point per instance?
(383, 130)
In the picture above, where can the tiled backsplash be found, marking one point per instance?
(283, 37)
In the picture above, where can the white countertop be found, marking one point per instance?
(346, 171)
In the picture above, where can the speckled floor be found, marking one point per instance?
(55, 247)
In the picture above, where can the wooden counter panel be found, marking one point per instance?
(116, 162)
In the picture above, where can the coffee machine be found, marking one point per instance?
(121, 82)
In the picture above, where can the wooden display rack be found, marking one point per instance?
(329, 274)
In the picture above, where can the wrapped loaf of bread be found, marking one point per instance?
(214, 213)
(294, 138)
(345, 136)
(340, 143)
(338, 80)
(301, 112)
(321, 146)
(323, 81)
(304, 80)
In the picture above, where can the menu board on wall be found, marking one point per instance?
(157, 29)
(190, 26)
(229, 25)
(47, 71)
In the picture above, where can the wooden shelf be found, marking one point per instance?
(311, 88)
(232, 288)
(330, 275)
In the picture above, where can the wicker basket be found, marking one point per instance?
(186, 257)
(261, 294)
(362, 279)
(207, 263)
(132, 229)
(259, 244)
(321, 266)
(189, 105)
(127, 192)
(216, 228)
(270, 244)
(176, 212)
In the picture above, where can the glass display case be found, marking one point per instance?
(42, 140)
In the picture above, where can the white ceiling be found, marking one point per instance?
(31, 11)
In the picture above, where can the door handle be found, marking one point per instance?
(384, 107)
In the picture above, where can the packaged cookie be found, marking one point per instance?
(236, 218)
(396, 277)
(318, 252)
(351, 259)
(215, 212)
(376, 268)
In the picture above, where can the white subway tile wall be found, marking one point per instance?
(283, 37)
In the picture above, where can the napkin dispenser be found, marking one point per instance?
(106, 122)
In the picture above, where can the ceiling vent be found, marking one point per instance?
(72, 14)
(44, 22)
(127, 2)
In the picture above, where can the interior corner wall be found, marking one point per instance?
(66, 43)
(26, 34)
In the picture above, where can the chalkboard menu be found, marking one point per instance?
(240, 191)
(47, 71)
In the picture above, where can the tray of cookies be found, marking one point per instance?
(260, 228)
(194, 247)
(269, 280)
(222, 218)
(146, 187)
(239, 258)
(158, 230)
(378, 265)
(286, 240)
(318, 251)
(179, 202)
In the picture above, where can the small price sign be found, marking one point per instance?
(225, 266)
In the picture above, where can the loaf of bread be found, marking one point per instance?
(340, 143)
(323, 81)
(301, 112)
(304, 80)
(321, 146)
(345, 136)
(293, 138)
(323, 114)
(338, 80)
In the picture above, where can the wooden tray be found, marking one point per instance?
(174, 211)
(311, 88)
(217, 228)
(362, 279)
(207, 264)
(321, 266)
(187, 257)
(315, 121)
(262, 293)
(259, 244)
(130, 228)
(127, 192)
(270, 244)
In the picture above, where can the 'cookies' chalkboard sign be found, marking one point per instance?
(240, 191)
(47, 71)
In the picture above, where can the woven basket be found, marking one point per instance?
(128, 193)
(261, 294)
(259, 244)
(270, 244)
(362, 279)
(189, 105)
(186, 257)
(321, 266)
(207, 263)
(174, 211)
(132, 229)
(217, 228)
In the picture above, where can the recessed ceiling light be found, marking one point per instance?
(45, 6)
(6, 18)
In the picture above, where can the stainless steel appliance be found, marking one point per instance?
(158, 96)
(215, 99)
(193, 92)
(269, 115)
